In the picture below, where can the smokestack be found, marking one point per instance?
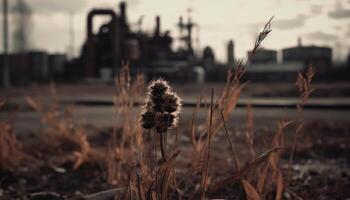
(181, 22)
(299, 42)
(157, 31)
(123, 18)
(6, 69)
(230, 54)
(22, 26)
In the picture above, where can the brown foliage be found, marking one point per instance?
(10, 151)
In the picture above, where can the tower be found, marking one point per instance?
(5, 68)
(22, 25)
(230, 54)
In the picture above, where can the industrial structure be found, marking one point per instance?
(152, 54)
(264, 65)
(230, 54)
(263, 56)
(320, 57)
(37, 66)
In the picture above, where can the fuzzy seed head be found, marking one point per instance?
(158, 88)
(171, 102)
(148, 119)
(162, 107)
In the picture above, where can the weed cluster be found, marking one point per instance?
(10, 149)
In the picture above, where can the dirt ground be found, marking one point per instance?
(320, 170)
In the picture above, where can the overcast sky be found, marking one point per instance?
(319, 22)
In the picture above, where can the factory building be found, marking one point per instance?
(150, 54)
(319, 57)
(38, 66)
(274, 71)
(264, 65)
(263, 56)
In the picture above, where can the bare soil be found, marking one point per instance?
(321, 168)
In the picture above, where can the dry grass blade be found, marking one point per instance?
(280, 186)
(262, 35)
(250, 191)
(34, 104)
(10, 151)
(238, 175)
(85, 152)
(233, 87)
(249, 133)
(169, 163)
(60, 128)
(262, 177)
(207, 161)
(193, 125)
(165, 184)
(303, 83)
(297, 132)
(233, 153)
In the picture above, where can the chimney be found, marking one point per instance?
(230, 54)
(299, 42)
(123, 18)
(157, 31)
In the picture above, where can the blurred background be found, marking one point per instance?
(183, 41)
(81, 45)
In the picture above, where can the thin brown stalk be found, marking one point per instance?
(233, 153)
(161, 143)
(206, 170)
(303, 83)
(176, 140)
(139, 186)
(129, 189)
(244, 170)
(193, 125)
(155, 150)
(249, 133)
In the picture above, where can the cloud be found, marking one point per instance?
(321, 36)
(347, 33)
(133, 3)
(339, 12)
(296, 22)
(316, 9)
(283, 24)
(49, 7)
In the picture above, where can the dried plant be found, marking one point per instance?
(60, 128)
(233, 87)
(303, 83)
(10, 149)
(129, 143)
(270, 177)
(226, 104)
(205, 172)
(233, 152)
(161, 110)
